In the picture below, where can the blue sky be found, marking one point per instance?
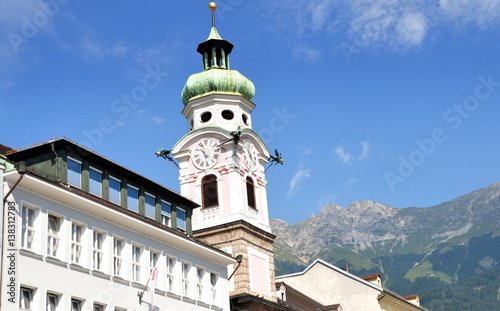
(392, 101)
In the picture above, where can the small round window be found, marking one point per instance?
(227, 114)
(245, 119)
(206, 116)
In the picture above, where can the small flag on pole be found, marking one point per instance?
(152, 286)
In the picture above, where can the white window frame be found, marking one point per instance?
(136, 262)
(185, 269)
(98, 307)
(136, 208)
(80, 174)
(118, 255)
(77, 245)
(200, 293)
(26, 295)
(154, 257)
(29, 229)
(48, 301)
(166, 218)
(79, 304)
(171, 262)
(91, 168)
(119, 189)
(98, 250)
(54, 224)
(214, 284)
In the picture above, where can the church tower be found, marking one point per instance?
(221, 166)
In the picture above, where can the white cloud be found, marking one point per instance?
(484, 13)
(307, 53)
(17, 28)
(343, 156)
(365, 148)
(351, 181)
(411, 29)
(297, 180)
(321, 13)
(158, 120)
(91, 47)
(139, 113)
(347, 158)
(391, 24)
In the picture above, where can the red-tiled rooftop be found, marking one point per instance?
(371, 276)
(4, 149)
(411, 297)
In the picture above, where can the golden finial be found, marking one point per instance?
(212, 6)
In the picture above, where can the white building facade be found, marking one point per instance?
(68, 246)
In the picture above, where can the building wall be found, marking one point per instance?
(255, 275)
(43, 273)
(329, 287)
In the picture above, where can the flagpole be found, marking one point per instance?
(141, 294)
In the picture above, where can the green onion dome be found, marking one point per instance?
(220, 80)
(217, 75)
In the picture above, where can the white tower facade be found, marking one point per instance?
(221, 162)
(221, 166)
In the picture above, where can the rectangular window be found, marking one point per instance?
(28, 215)
(98, 307)
(74, 172)
(166, 210)
(26, 299)
(76, 242)
(153, 260)
(53, 235)
(97, 250)
(133, 199)
(150, 203)
(114, 190)
(76, 304)
(181, 219)
(136, 263)
(52, 302)
(200, 272)
(185, 278)
(213, 284)
(170, 273)
(95, 181)
(117, 256)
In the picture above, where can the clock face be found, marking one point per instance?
(251, 155)
(206, 153)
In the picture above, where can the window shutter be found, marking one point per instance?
(209, 191)
(250, 193)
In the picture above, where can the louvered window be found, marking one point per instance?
(209, 191)
(250, 193)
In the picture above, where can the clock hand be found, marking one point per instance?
(202, 148)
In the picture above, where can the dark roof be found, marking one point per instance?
(24, 153)
(4, 149)
(300, 302)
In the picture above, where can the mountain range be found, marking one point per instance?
(434, 250)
